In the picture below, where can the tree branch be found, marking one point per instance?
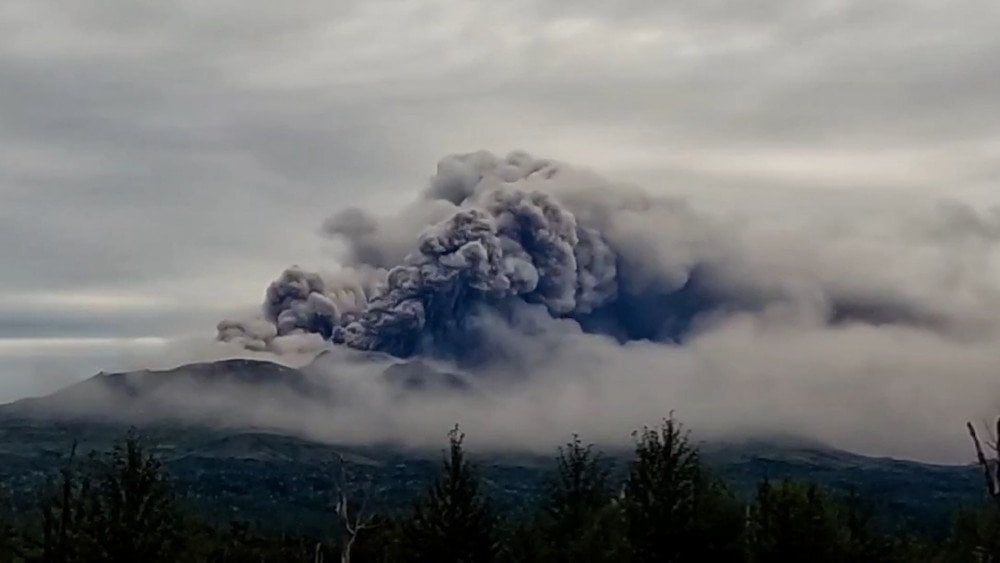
(989, 472)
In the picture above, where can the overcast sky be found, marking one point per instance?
(160, 162)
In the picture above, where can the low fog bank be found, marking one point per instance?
(739, 382)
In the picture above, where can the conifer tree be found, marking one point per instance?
(63, 511)
(580, 520)
(796, 522)
(674, 510)
(455, 522)
(117, 507)
(133, 511)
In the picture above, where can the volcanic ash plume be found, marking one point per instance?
(496, 240)
(301, 303)
(505, 239)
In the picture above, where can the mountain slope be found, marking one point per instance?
(252, 472)
(145, 395)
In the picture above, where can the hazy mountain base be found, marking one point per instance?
(278, 481)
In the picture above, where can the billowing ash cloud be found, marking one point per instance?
(300, 306)
(508, 244)
(529, 243)
(485, 234)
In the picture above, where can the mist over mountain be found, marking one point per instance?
(239, 394)
(223, 432)
(577, 304)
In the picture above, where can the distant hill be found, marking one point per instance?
(279, 481)
(140, 396)
(207, 393)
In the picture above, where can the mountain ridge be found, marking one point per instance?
(272, 476)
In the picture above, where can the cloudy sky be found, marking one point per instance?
(161, 162)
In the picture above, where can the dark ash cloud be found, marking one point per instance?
(525, 237)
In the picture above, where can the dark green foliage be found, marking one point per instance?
(673, 509)
(119, 506)
(578, 517)
(976, 536)
(63, 512)
(455, 522)
(523, 543)
(795, 522)
(283, 484)
(11, 543)
(792, 520)
(864, 538)
(239, 543)
(580, 520)
(579, 487)
(133, 513)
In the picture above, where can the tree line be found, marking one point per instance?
(666, 506)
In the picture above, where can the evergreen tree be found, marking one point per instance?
(975, 536)
(796, 522)
(117, 507)
(63, 517)
(580, 521)
(133, 514)
(455, 523)
(11, 544)
(865, 541)
(674, 510)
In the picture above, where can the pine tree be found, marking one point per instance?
(796, 522)
(64, 536)
(975, 535)
(674, 510)
(580, 520)
(455, 523)
(118, 507)
(133, 511)
(12, 547)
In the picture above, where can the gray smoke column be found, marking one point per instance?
(495, 241)
(511, 244)
(483, 234)
(302, 303)
(255, 335)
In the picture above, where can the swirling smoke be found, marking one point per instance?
(521, 242)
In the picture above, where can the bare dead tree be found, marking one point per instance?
(352, 522)
(991, 467)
